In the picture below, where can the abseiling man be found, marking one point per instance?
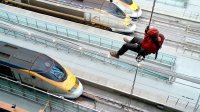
(151, 43)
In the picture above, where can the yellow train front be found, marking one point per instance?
(38, 70)
(130, 7)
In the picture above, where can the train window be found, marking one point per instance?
(5, 71)
(4, 55)
(116, 11)
(48, 68)
(129, 2)
(57, 72)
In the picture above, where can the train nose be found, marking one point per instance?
(136, 14)
(79, 91)
(76, 93)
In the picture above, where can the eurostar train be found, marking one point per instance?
(38, 70)
(98, 13)
(130, 7)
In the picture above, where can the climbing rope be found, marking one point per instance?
(152, 12)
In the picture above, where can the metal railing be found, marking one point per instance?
(176, 3)
(74, 34)
(41, 97)
(182, 103)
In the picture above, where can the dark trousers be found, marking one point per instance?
(131, 46)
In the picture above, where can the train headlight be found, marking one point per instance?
(72, 90)
(137, 9)
(76, 83)
(74, 87)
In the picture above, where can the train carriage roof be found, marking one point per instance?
(17, 56)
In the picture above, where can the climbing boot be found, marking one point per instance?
(114, 54)
(126, 40)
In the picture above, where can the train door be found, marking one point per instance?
(36, 82)
(25, 77)
(50, 88)
(6, 72)
(39, 83)
(31, 80)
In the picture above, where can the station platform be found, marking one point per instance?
(111, 76)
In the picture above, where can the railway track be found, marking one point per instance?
(107, 99)
(92, 100)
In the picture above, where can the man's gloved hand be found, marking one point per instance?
(146, 29)
(141, 55)
(136, 45)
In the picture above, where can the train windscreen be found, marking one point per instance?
(114, 10)
(129, 2)
(49, 68)
(57, 72)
